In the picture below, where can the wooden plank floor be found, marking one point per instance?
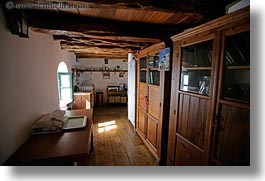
(116, 142)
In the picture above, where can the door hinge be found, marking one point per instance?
(174, 112)
(177, 55)
(160, 104)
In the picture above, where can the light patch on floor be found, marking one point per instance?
(107, 126)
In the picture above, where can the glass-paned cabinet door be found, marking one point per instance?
(196, 64)
(154, 74)
(143, 69)
(236, 84)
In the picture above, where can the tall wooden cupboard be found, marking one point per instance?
(153, 92)
(209, 110)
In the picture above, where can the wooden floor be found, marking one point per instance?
(116, 142)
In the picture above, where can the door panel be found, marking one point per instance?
(152, 129)
(154, 101)
(142, 95)
(186, 155)
(142, 121)
(77, 102)
(232, 143)
(86, 104)
(193, 118)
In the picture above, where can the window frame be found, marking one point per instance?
(59, 74)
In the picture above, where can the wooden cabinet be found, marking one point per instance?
(209, 114)
(151, 122)
(83, 100)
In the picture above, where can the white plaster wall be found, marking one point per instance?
(97, 78)
(28, 79)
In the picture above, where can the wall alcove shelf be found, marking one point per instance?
(86, 70)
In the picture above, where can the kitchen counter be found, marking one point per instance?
(84, 100)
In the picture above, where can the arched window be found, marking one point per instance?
(62, 67)
(65, 85)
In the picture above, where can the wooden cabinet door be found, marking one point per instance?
(152, 132)
(154, 101)
(231, 144)
(77, 102)
(197, 65)
(142, 95)
(193, 116)
(186, 154)
(141, 123)
(231, 133)
(86, 101)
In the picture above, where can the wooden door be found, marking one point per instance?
(231, 134)
(150, 94)
(141, 98)
(197, 64)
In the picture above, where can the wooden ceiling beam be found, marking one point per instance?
(96, 26)
(100, 40)
(102, 43)
(59, 35)
(99, 50)
(80, 45)
(109, 56)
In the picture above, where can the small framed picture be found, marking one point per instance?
(164, 60)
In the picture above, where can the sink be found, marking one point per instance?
(75, 122)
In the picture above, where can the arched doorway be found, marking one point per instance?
(65, 86)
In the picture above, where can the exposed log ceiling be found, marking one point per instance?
(111, 29)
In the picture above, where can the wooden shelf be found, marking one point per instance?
(196, 68)
(235, 102)
(194, 93)
(153, 69)
(80, 70)
(143, 69)
(238, 67)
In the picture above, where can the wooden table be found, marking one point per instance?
(57, 148)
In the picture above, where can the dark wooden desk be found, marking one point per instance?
(57, 148)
